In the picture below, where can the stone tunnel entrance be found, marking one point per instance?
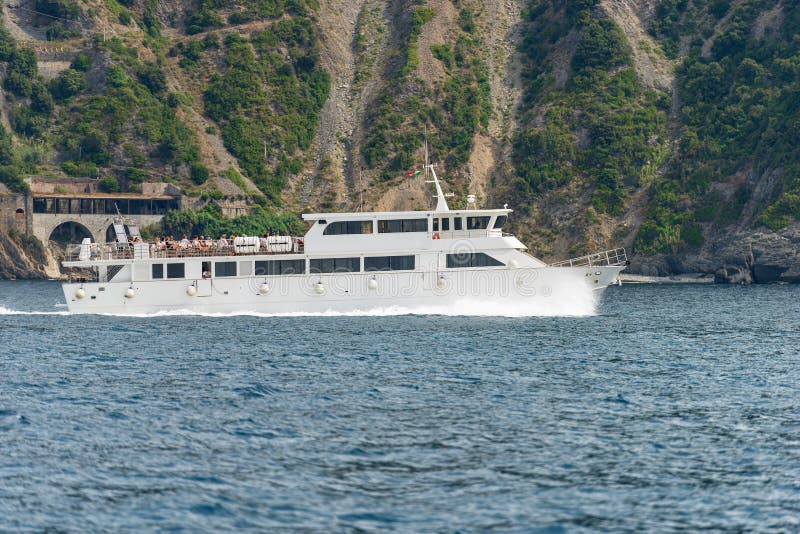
(70, 232)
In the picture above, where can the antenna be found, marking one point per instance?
(426, 153)
(441, 201)
(361, 187)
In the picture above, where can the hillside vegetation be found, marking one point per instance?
(551, 106)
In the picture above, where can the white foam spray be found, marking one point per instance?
(580, 303)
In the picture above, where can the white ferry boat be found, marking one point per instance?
(346, 262)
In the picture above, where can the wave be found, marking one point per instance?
(9, 311)
(580, 306)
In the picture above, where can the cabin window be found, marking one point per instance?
(500, 221)
(245, 268)
(402, 225)
(158, 271)
(225, 268)
(441, 224)
(280, 267)
(336, 265)
(389, 263)
(472, 259)
(348, 228)
(457, 223)
(477, 223)
(436, 225)
(176, 270)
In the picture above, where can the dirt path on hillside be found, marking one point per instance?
(501, 24)
(356, 78)
(341, 112)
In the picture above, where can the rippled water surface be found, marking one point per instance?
(672, 408)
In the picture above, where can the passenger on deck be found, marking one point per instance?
(223, 242)
(185, 242)
(209, 242)
(196, 243)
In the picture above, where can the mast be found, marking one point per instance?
(441, 202)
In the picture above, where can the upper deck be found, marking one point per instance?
(244, 246)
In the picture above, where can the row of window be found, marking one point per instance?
(287, 267)
(402, 225)
(174, 270)
(348, 227)
(384, 227)
(472, 259)
(473, 223)
(323, 265)
(411, 225)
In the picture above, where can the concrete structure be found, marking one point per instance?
(72, 209)
(95, 226)
(15, 211)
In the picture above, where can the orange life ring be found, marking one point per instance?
(436, 235)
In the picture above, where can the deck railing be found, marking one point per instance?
(145, 250)
(607, 258)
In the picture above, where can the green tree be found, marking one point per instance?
(110, 184)
(21, 71)
(41, 100)
(198, 173)
(67, 84)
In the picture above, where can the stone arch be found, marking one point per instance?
(70, 232)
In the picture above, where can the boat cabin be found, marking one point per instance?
(402, 230)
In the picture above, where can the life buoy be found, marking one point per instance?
(436, 235)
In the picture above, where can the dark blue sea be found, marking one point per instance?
(671, 408)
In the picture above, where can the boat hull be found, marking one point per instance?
(547, 290)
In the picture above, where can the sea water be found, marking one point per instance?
(661, 407)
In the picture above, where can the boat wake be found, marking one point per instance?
(582, 305)
(9, 311)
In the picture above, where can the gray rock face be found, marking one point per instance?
(20, 257)
(743, 257)
(776, 257)
(733, 274)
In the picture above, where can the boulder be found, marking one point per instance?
(733, 274)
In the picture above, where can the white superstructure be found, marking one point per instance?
(345, 262)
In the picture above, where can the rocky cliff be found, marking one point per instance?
(666, 126)
(21, 257)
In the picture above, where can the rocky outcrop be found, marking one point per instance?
(21, 257)
(745, 257)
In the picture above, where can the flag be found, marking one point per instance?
(413, 174)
